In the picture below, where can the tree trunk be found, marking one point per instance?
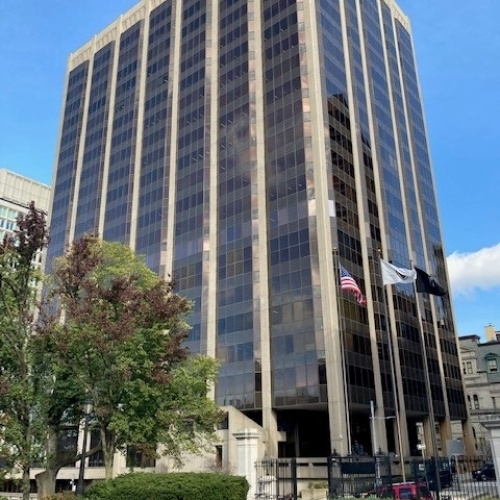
(25, 483)
(108, 448)
(46, 480)
(46, 483)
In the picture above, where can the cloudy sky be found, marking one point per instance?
(458, 49)
(456, 43)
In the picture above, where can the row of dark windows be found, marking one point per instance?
(192, 79)
(198, 57)
(277, 7)
(281, 25)
(127, 70)
(194, 42)
(158, 15)
(194, 26)
(103, 56)
(195, 97)
(154, 101)
(234, 54)
(161, 50)
(234, 295)
(233, 16)
(123, 120)
(282, 46)
(233, 35)
(235, 323)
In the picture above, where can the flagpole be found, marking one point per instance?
(393, 374)
(340, 314)
(428, 391)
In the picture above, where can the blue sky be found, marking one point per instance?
(458, 52)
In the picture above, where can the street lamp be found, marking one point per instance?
(88, 406)
(376, 454)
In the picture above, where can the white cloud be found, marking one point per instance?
(474, 271)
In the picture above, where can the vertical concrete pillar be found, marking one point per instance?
(247, 453)
(493, 425)
(427, 437)
(119, 464)
(445, 434)
(470, 448)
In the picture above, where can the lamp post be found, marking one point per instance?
(87, 410)
(376, 450)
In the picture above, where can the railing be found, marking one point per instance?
(362, 476)
(277, 479)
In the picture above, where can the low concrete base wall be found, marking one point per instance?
(313, 494)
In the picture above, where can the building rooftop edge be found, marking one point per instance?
(405, 20)
(99, 39)
(30, 179)
(79, 55)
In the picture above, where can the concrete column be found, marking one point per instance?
(445, 434)
(470, 448)
(492, 423)
(427, 437)
(247, 453)
(119, 464)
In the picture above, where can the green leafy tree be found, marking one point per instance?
(122, 339)
(24, 396)
(62, 414)
(39, 397)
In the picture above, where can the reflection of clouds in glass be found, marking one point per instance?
(474, 271)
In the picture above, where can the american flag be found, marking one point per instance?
(347, 282)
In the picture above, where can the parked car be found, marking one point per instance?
(445, 479)
(410, 490)
(402, 491)
(485, 473)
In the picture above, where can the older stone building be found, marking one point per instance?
(481, 372)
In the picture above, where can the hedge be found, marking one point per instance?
(65, 495)
(171, 486)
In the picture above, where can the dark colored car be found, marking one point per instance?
(485, 473)
(445, 479)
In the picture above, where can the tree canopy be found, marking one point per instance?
(122, 339)
(107, 328)
(24, 394)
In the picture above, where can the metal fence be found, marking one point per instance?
(277, 479)
(442, 478)
(358, 475)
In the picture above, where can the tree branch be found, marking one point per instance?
(75, 458)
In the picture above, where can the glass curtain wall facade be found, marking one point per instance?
(247, 148)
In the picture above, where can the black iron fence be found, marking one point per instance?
(277, 479)
(456, 478)
(358, 475)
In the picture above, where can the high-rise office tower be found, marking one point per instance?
(247, 147)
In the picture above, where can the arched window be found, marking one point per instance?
(476, 401)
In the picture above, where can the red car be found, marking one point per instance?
(404, 491)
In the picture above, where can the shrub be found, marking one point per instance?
(65, 495)
(172, 486)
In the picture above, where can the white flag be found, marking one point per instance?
(392, 274)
